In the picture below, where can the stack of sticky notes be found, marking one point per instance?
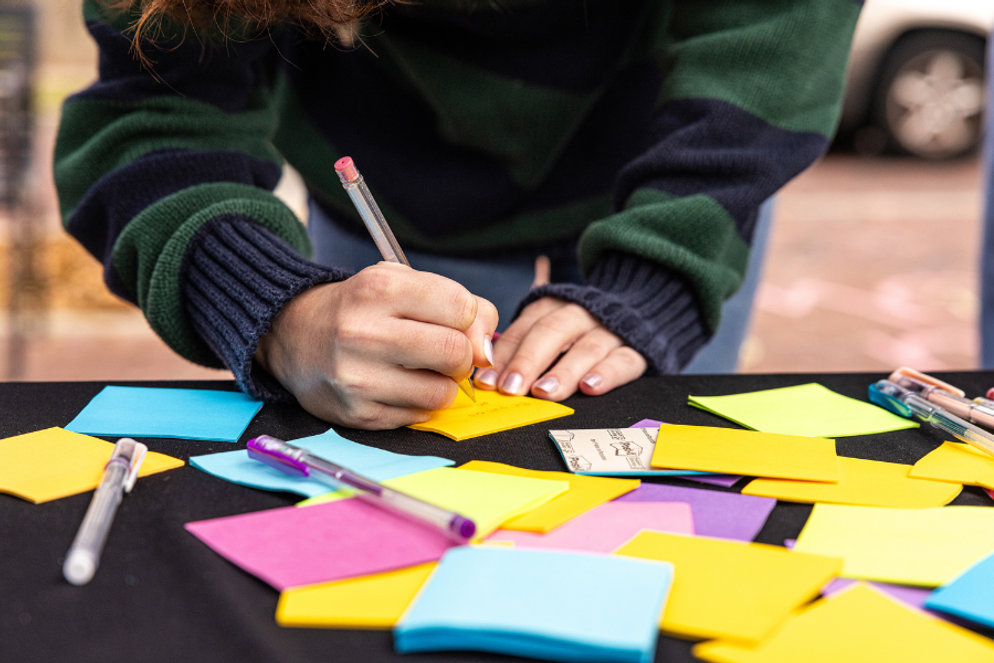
(492, 412)
(541, 604)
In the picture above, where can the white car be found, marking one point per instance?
(916, 77)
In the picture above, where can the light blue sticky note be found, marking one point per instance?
(192, 414)
(559, 606)
(377, 464)
(969, 594)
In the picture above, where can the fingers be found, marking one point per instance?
(621, 366)
(415, 295)
(481, 332)
(562, 380)
(549, 336)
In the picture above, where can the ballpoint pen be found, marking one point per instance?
(906, 403)
(120, 474)
(378, 228)
(299, 462)
(958, 405)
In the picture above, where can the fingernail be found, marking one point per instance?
(487, 377)
(488, 350)
(512, 383)
(547, 384)
(593, 380)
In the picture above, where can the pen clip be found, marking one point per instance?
(132, 453)
(908, 372)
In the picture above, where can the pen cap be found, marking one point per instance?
(131, 454)
(886, 394)
(275, 453)
(346, 170)
(925, 379)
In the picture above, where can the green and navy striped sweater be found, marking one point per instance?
(646, 131)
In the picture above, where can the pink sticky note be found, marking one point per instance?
(296, 546)
(606, 527)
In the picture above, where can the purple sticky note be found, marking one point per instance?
(718, 514)
(913, 596)
(296, 546)
(725, 480)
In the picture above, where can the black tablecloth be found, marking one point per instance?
(162, 595)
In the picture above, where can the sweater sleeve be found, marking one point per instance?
(165, 166)
(751, 97)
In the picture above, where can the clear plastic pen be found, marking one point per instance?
(933, 414)
(299, 462)
(378, 227)
(119, 477)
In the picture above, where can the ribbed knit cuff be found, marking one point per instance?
(237, 276)
(650, 308)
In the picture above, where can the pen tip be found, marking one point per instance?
(467, 388)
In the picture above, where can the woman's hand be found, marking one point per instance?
(594, 360)
(380, 350)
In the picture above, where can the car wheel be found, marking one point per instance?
(930, 96)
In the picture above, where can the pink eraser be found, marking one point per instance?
(990, 393)
(346, 170)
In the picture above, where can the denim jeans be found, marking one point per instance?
(987, 248)
(506, 282)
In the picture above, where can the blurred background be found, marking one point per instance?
(872, 261)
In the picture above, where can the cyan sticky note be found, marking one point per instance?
(559, 606)
(968, 595)
(377, 464)
(192, 414)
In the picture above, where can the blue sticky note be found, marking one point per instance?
(969, 594)
(559, 606)
(192, 414)
(377, 464)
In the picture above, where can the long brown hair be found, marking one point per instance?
(220, 17)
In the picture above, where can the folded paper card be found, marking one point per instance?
(611, 452)
(956, 462)
(53, 463)
(728, 589)
(539, 604)
(290, 547)
(377, 464)
(716, 513)
(865, 482)
(860, 624)
(491, 413)
(192, 414)
(746, 452)
(606, 527)
(488, 499)
(584, 494)
(807, 409)
(924, 547)
(969, 594)
(375, 601)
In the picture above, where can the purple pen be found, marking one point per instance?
(299, 462)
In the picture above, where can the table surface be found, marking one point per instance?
(162, 595)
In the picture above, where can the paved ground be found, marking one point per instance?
(871, 265)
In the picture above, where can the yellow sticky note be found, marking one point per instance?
(492, 413)
(53, 463)
(374, 601)
(859, 624)
(583, 495)
(732, 451)
(729, 589)
(923, 547)
(487, 498)
(957, 463)
(865, 482)
(804, 409)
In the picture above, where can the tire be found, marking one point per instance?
(930, 97)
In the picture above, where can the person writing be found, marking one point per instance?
(632, 145)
